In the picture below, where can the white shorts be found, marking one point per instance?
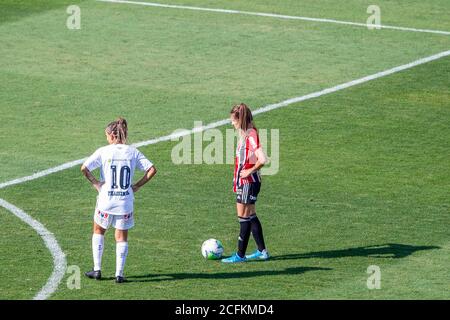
(121, 222)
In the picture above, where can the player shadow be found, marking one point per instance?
(388, 250)
(220, 275)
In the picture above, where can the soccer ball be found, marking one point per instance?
(212, 249)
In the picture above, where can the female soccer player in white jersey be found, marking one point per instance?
(117, 162)
(250, 159)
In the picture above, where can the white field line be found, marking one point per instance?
(272, 15)
(50, 241)
(59, 258)
(42, 173)
(255, 112)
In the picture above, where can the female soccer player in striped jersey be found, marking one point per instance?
(117, 162)
(250, 159)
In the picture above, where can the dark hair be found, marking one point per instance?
(119, 130)
(244, 116)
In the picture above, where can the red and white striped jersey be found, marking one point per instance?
(246, 159)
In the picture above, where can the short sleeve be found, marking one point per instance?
(253, 140)
(142, 163)
(94, 161)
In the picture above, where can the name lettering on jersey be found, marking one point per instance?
(118, 193)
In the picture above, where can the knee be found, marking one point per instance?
(121, 236)
(98, 229)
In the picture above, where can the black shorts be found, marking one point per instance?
(248, 193)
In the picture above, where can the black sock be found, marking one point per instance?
(257, 232)
(244, 235)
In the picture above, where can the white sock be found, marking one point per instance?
(121, 256)
(97, 250)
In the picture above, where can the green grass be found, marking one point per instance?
(412, 13)
(363, 174)
(26, 262)
(14, 10)
(166, 60)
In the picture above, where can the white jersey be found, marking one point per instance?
(117, 163)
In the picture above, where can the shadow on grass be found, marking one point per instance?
(389, 250)
(220, 275)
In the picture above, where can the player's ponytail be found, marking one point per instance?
(122, 130)
(119, 129)
(243, 116)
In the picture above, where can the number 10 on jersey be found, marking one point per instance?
(124, 178)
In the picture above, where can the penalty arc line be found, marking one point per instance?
(50, 241)
(59, 258)
(273, 15)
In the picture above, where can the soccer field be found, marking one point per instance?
(364, 173)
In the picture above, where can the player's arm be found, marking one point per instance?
(261, 160)
(146, 178)
(95, 183)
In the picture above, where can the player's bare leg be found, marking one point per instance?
(245, 210)
(98, 229)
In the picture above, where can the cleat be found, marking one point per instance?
(258, 255)
(120, 279)
(234, 259)
(97, 275)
